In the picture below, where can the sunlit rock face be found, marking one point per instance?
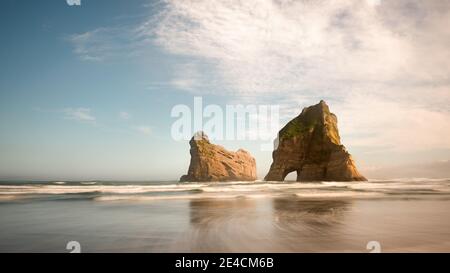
(211, 162)
(310, 145)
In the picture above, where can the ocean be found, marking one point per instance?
(401, 215)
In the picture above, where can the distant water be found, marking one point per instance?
(404, 215)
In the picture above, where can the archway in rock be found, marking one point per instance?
(291, 175)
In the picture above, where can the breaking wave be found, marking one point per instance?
(116, 191)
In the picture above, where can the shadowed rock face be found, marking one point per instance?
(211, 162)
(310, 145)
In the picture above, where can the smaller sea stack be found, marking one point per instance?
(210, 162)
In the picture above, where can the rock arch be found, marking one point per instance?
(310, 144)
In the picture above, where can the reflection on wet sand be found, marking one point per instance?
(222, 225)
(227, 217)
(311, 215)
(309, 225)
(206, 212)
(261, 225)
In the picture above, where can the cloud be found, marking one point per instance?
(79, 114)
(373, 3)
(107, 43)
(265, 46)
(124, 115)
(187, 77)
(321, 47)
(283, 46)
(190, 77)
(384, 66)
(435, 169)
(146, 130)
(379, 125)
(74, 2)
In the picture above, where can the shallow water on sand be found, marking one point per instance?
(402, 215)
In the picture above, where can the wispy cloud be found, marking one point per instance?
(188, 78)
(79, 114)
(124, 115)
(143, 129)
(381, 126)
(384, 65)
(107, 43)
(275, 46)
(282, 46)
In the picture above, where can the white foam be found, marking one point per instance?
(88, 183)
(325, 189)
(141, 198)
(65, 189)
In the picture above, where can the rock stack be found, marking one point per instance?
(310, 145)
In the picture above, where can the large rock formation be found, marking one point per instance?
(310, 145)
(211, 162)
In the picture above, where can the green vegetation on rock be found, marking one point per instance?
(298, 127)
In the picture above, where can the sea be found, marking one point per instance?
(397, 215)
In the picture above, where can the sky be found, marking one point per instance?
(86, 91)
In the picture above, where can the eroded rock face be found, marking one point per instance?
(211, 162)
(310, 145)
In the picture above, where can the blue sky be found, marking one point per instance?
(41, 77)
(86, 91)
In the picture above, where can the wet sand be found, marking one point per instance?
(402, 219)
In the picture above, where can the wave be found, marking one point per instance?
(66, 189)
(140, 191)
(88, 183)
